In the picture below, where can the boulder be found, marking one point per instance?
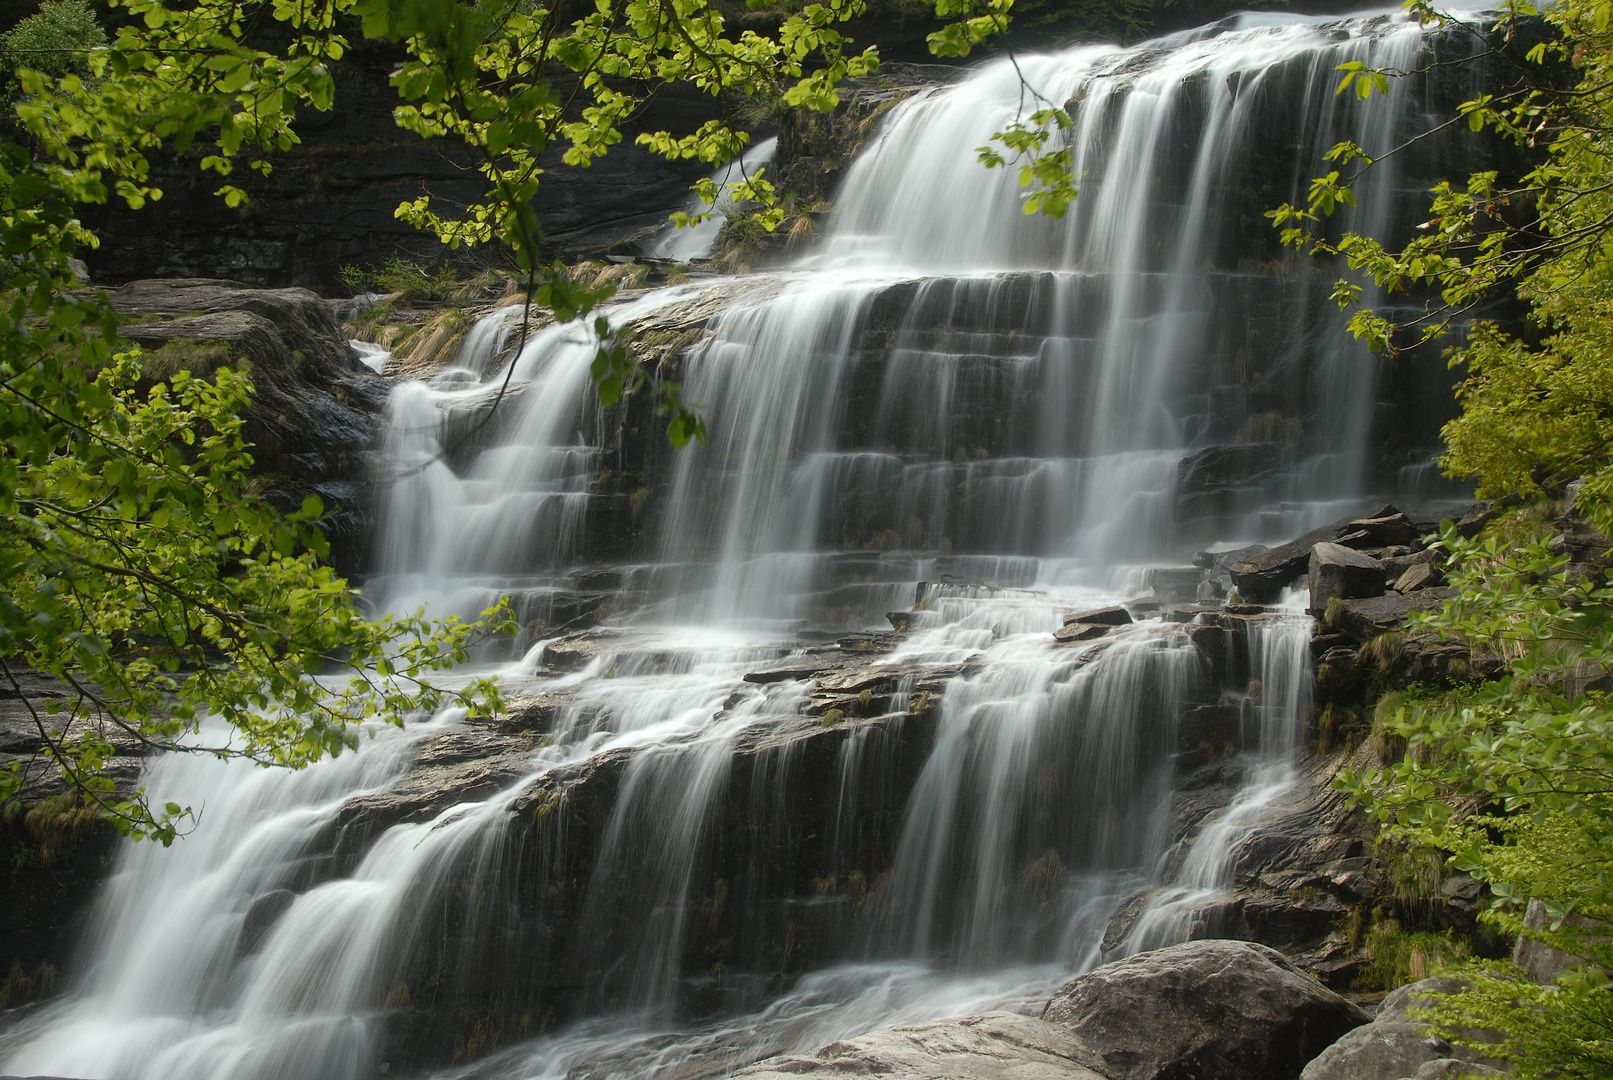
(1454, 1069)
(1219, 565)
(989, 1046)
(1205, 1010)
(1388, 530)
(1397, 1044)
(1382, 1050)
(1338, 571)
(1175, 582)
(1418, 576)
(1472, 523)
(1541, 961)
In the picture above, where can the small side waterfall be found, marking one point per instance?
(1276, 708)
(731, 813)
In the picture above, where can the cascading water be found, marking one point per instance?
(688, 856)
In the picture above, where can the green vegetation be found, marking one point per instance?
(1401, 956)
(141, 568)
(412, 282)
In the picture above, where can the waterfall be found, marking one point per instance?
(677, 855)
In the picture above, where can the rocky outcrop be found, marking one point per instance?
(1205, 1010)
(1264, 575)
(329, 201)
(314, 404)
(989, 1046)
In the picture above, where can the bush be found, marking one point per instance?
(398, 275)
(53, 41)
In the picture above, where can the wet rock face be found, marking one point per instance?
(990, 1046)
(52, 859)
(1209, 1010)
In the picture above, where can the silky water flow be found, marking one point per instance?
(948, 408)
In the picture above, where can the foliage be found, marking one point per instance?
(54, 40)
(1402, 956)
(1512, 780)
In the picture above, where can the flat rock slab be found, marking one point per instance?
(1204, 1010)
(1072, 632)
(1106, 616)
(987, 1046)
(1366, 619)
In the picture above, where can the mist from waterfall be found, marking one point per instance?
(949, 410)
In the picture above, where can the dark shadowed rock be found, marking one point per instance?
(1472, 523)
(1204, 1010)
(1388, 530)
(989, 1046)
(1109, 616)
(261, 917)
(1366, 619)
(1338, 571)
(1264, 575)
(313, 406)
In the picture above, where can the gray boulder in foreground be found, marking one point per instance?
(988, 1046)
(1398, 1045)
(1384, 1050)
(1453, 1069)
(1204, 1010)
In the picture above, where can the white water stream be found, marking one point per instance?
(946, 391)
